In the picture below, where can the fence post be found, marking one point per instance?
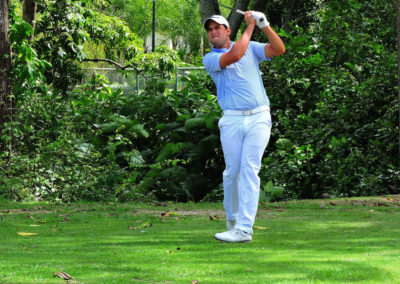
(176, 79)
(137, 84)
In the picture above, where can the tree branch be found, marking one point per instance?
(115, 63)
(236, 19)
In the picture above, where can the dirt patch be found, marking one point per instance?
(381, 201)
(152, 212)
(24, 211)
(202, 212)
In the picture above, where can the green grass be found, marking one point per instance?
(348, 241)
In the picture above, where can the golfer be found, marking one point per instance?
(245, 126)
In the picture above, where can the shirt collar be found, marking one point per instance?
(222, 50)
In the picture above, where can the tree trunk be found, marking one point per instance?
(29, 13)
(208, 8)
(236, 19)
(5, 68)
(289, 15)
(398, 60)
(260, 5)
(211, 7)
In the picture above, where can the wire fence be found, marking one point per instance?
(133, 83)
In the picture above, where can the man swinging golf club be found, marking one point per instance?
(245, 126)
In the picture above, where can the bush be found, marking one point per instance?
(330, 99)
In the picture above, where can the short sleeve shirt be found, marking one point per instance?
(239, 85)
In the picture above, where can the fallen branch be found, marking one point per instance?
(115, 63)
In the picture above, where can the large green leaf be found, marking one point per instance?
(212, 119)
(136, 158)
(139, 129)
(169, 150)
(195, 123)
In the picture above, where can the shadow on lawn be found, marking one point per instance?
(327, 248)
(299, 253)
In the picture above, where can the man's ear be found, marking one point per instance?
(229, 30)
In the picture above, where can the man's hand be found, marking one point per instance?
(261, 20)
(249, 18)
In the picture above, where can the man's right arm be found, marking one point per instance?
(240, 47)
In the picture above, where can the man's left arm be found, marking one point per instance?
(275, 46)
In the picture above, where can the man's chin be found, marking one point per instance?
(217, 43)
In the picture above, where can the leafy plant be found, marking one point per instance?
(329, 97)
(185, 124)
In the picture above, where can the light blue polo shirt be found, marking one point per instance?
(239, 85)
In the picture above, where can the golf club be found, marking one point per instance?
(237, 11)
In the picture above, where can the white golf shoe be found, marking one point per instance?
(233, 236)
(230, 224)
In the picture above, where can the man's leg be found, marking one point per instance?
(231, 133)
(258, 128)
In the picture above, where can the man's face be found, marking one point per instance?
(218, 34)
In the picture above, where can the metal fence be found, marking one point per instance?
(132, 82)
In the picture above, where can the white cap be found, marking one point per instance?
(218, 19)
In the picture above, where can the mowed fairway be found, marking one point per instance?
(319, 241)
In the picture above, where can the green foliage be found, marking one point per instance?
(331, 99)
(28, 69)
(272, 193)
(114, 34)
(59, 35)
(184, 131)
(161, 63)
(26, 75)
(175, 19)
(101, 144)
(179, 20)
(196, 122)
(81, 145)
(60, 157)
(133, 13)
(335, 118)
(63, 28)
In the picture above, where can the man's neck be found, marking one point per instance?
(227, 45)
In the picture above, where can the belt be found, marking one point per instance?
(246, 112)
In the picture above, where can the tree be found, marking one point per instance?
(134, 12)
(235, 19)
(179, 21)
(29, 13)
(5, 68)
(176, 20)
(289, 14)
(260, 5)
(339, 81)
(208, 8)
(211, 7)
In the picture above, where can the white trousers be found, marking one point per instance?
(244, 139)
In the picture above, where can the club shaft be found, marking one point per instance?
(236, 10)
